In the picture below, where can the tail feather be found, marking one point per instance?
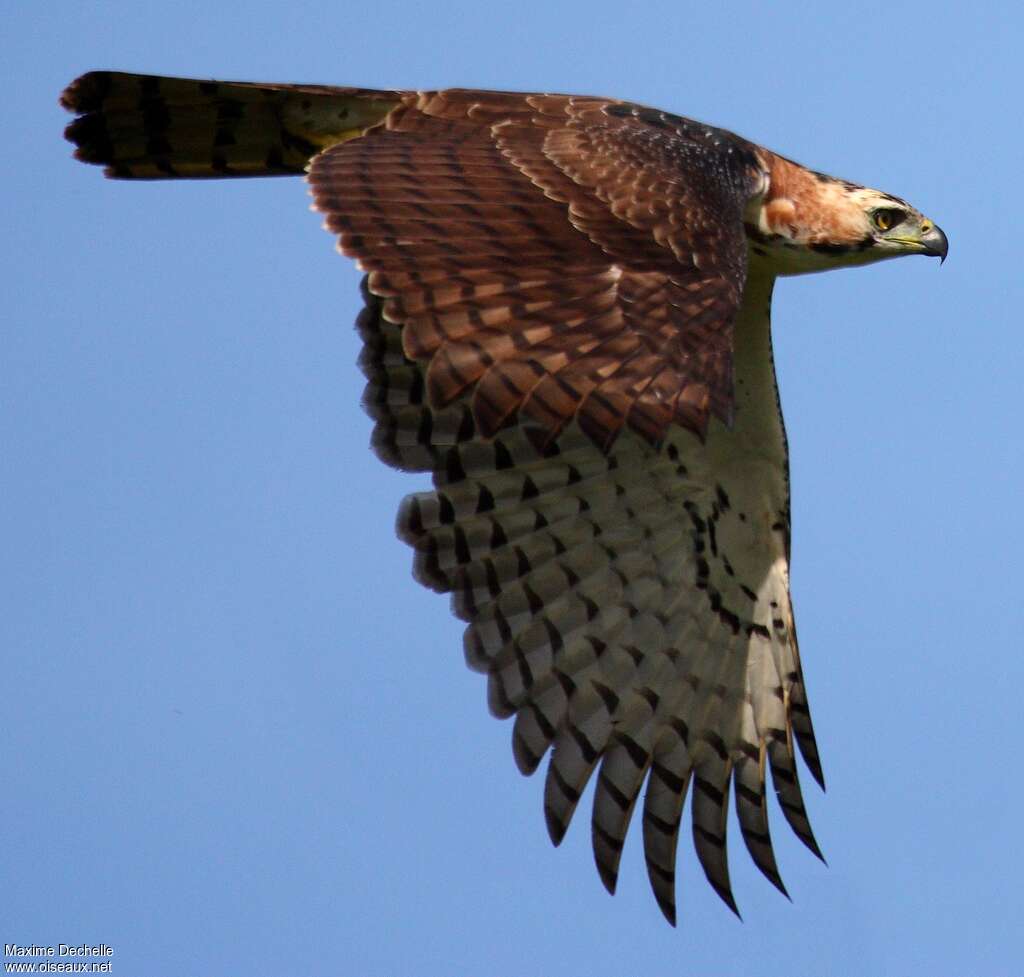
(149, 127)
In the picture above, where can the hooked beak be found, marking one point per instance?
(928, 239)
(933, 241)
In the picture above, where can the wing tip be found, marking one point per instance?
(556, 827)
(664, 896)
(609, 876)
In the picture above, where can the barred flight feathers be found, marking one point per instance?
(566, 322)
(605, 597)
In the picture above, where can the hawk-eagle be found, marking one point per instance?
(566, 322)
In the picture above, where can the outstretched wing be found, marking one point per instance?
(552, 290)
(560, 327)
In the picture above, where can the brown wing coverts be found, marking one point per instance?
(552, 258)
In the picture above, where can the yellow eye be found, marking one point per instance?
(887, 218)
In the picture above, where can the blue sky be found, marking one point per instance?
(237, 737)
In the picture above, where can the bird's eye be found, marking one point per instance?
(887, 218)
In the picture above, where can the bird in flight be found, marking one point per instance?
(567, 323)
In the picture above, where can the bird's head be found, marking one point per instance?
(807, 221)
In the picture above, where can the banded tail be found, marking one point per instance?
(147, 127)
